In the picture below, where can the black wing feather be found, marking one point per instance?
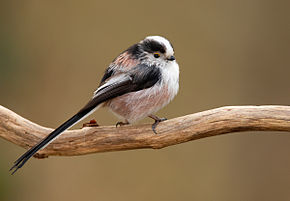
(140, 77)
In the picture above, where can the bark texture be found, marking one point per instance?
(25, 133)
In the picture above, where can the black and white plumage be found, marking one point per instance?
(139, 82)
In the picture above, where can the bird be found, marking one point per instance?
(140, 81)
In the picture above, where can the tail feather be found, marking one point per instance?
(23, 159)
(121, 84)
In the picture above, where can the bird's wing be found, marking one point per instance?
(138, 78)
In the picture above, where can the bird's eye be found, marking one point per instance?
(156, 55)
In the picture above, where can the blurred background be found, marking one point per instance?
(53, 54)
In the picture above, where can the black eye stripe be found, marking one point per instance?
(153, 46)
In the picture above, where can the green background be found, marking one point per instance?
(53, 54)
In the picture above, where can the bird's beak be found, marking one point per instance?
(171, 58)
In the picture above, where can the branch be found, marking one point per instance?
(25, 133)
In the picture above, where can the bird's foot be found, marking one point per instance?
(157, 121)
(119, 123)
(92, 123)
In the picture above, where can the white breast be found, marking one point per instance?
(170, 77)
(135, 106)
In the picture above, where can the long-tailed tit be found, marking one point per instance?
(140, 81)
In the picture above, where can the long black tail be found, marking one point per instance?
(24, 158)
(124, 83)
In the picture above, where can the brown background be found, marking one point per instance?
(53, 54)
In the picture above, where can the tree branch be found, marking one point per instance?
(25, 133)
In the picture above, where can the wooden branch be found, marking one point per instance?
(25, 133)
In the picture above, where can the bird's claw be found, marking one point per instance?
(157, 121)
(119, 123)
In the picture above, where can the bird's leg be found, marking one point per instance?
(92, 123)
(119, 123)
(157, 121)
